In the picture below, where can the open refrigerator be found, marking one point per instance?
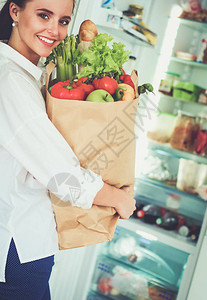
(145, 261)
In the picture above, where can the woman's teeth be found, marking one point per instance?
(46, 40)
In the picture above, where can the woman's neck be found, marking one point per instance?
(23, 49)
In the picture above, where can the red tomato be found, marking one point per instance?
(106, 83)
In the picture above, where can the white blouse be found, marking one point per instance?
(32, 155)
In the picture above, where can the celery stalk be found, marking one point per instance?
(63, 56)
(61, 76)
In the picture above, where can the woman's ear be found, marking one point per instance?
(14, 12)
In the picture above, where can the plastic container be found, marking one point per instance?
(185, 132)
(186, 91)
(161, 127)
(116, 280)
(166, 84)
(191, 176)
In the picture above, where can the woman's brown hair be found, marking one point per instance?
(6, 20)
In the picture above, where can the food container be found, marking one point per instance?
(201, 141)
(161, 127)
(166, 84)
(137, 10)
(186, 55)
(203, 97)
(185, 132)
(186, 91)
(191, 176)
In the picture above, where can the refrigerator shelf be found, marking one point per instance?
(193, 24)
(197, 64)
(170, 188)
(121, 33)
(169, 151)
(189, 206)
(169, 238)
(173, 99)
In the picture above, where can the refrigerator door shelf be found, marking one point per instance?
(118, 281)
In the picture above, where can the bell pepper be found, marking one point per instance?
(88, 88)
(126, 79)
(123, 72)
(80, 81)
(124, 92)
(62, 90)
(106, 83)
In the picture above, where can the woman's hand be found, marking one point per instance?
(126, 206)
(120, 199)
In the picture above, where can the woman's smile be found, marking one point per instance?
(46, 41)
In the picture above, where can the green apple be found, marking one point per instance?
(100, 96)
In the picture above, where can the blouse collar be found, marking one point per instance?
(20, 60)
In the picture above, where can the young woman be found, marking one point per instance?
(32, 151)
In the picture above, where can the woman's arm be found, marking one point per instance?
(120, 199)
(31, 138)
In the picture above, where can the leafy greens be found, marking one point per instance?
(100, 59)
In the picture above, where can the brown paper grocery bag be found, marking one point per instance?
(102, 137)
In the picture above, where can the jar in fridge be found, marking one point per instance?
(201, 141)
(161, 127)
(166, 84)
(185, 132)
(191, 176)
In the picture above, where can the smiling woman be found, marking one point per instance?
(33, 152)
(34, 28)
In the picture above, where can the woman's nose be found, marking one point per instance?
(53, 28)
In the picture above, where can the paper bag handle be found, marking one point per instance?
(50, 67)
(134, 77)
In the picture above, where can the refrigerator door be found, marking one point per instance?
(198, 287)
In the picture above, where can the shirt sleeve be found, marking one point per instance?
(30, 137)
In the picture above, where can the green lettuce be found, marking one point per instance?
(101, 59)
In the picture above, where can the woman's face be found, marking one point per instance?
(41, 26)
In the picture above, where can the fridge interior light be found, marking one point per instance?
(146, 235)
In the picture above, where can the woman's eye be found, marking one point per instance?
(44, 16)
(64, 22)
